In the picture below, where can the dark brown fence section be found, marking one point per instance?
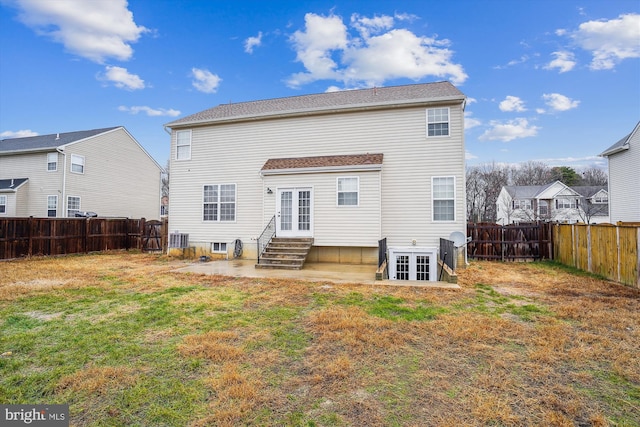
(20, 237)
(514, 242)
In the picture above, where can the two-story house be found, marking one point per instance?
(552, 202)
(624, 177)
(105, 171)
(345, 169)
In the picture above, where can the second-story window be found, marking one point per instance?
(183, 145)
(77, 163)
(52, 162)
(437, 122)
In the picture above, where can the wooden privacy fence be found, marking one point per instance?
(611, 251)
(21, 237)
(513, 242)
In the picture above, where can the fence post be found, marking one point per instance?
(589, 255)
(30, 236)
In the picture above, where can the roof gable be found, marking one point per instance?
(326, 102)
(622, 144)
(51, 141)
(11, 185)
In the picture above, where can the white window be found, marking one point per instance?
(3, 205)
(566, 203)
(52, 162)
(73, 205)
(219, 202)
(220, 247)
(77, 163)
(437, 122)
(348, 189)
(601, 198)
(443, 190)
(543, 207)
(52, 206)
(522, 204)
(183, 145)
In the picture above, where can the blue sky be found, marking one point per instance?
(546, 80)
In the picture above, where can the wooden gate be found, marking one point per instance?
(514, 242)
(154, 238)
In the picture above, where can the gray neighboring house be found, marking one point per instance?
(624, 177)
(105, 171)
(553, 202)
(345, 169)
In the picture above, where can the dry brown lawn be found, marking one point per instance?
(518, 345)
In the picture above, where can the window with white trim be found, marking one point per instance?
(52, 206)
(566, 203)
(522, 204)
(348, 191)
(183, 145)
(543, 207)
(601, 198)
(3, 205)
(52, 162)
(73, 205)
(219, 202)
(219, 247)
(437, 122)
(443, 190)
(77, 163)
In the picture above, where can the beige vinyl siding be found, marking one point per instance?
(624, 183)
(119, 179)
(32, 200)
(235, 153)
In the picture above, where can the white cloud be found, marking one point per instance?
(121, 78)
(376, 53)
(609, 41)
(470, 122)
(508, 131)
(96, 30)
(469, 156)
(559, 102)
(565, 61)
(252, 42)
(512, 103)
(205, 81)
(151, 112)
(18, 133)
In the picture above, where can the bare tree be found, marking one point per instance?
(165, 181)
(532, 173)
(594, 176)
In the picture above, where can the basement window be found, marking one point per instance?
(219, 247)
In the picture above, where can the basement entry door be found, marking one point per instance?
(413, 264)
(294, 212)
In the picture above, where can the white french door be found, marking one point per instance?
(412, 264)
(294, 212)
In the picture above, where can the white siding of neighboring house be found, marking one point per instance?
(42, 183)
(624, 182)
(119, 180)
(235, 153)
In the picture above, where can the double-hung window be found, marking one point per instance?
(443, 190)
(73, 205)
(219, 202)
(437, 122)
(348, 191)
(566, 204)
(522, 204)
(52, 206)
(77, 163)
(52, 162)
(183, 145)
(3, 205)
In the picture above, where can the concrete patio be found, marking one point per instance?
(313, 272)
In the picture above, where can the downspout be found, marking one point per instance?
(64, 180)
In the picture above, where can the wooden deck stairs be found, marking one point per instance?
(285, 253)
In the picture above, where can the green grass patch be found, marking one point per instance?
(393, 308)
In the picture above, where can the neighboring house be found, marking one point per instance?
(624, 177)
(105, 171)
(552, 202)
(346, 169)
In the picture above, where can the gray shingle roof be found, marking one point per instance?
(588, 191)
(323, 102)
(323, 161)
(43, 142)
(621, 145)
(11, 184)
